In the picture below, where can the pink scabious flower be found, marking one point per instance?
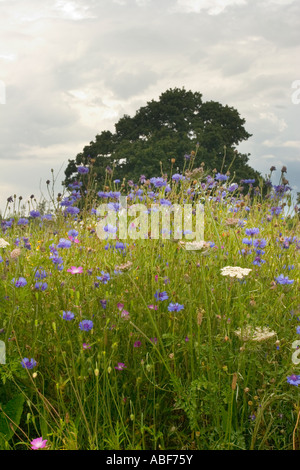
(75, 270)
(73, 239)
(120, 366)
(38, 443)
(153, 307)
(86, 346)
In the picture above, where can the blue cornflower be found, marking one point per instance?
(56, 259)
(250, 181)
(34, 214)
(246, 241)
(22, 221)
(40, 274)
(104, 278)
(86, 325)
(252, 231)
(73, 233)
(47, 217)
(21, 282)
(158, 182)
(115, 206)
(75, 185)
(177, 177)
(283, 280)
(165, 202)
(221, 177)
(175, 307)
(232, 187)
(82, 170)
(68, 315)
(260, 243)
(161, 295)
(41, 286)
(293, 380)
(63, 243)
(72, 210)
(28, 364)
(110, 228)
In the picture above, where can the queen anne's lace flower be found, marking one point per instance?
(235, 271)
(254, 334)
(3, 243)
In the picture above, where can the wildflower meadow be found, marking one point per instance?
(143, 342)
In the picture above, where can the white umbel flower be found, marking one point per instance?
(195, 246)
(254, 334)
(3, 243)
(235, 271)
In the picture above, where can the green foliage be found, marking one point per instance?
(170, 128)
(10, 415)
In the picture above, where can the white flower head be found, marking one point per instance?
(254, 334)
(235, 271)
(3, 243)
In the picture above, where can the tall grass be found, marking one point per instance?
(146, 377)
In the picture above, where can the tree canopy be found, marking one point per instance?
(170, 128)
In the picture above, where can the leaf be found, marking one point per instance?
(10, 415)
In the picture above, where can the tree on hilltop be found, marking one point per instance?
(170, 128)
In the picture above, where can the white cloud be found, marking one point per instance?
(213, 7)
(71, 69)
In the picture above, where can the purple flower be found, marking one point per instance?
(161, 295)
(72, 210)
(110, 228)
(28, 364)
(34, 214)
(137, 344)
(248, 181)
(86, 325)
(293, 380)
(38, 443)
(177, 177)
(63, 243)
(40, 274)
(72, 233)
(158, 182)
(120, 366)
(82, 170)
(221, 177)
(252, 231)
(165, 202)
(68, 315)
(22, 221)
(21, 282)
(104, 278)
(175, 307)
(283, 280)
(41, 286)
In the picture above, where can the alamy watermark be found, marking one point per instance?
(2, 92)
(2, 352)
(296, 93)
(138, 221)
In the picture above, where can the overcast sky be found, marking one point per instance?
(71, 69)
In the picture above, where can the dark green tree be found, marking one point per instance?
(171, 127)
